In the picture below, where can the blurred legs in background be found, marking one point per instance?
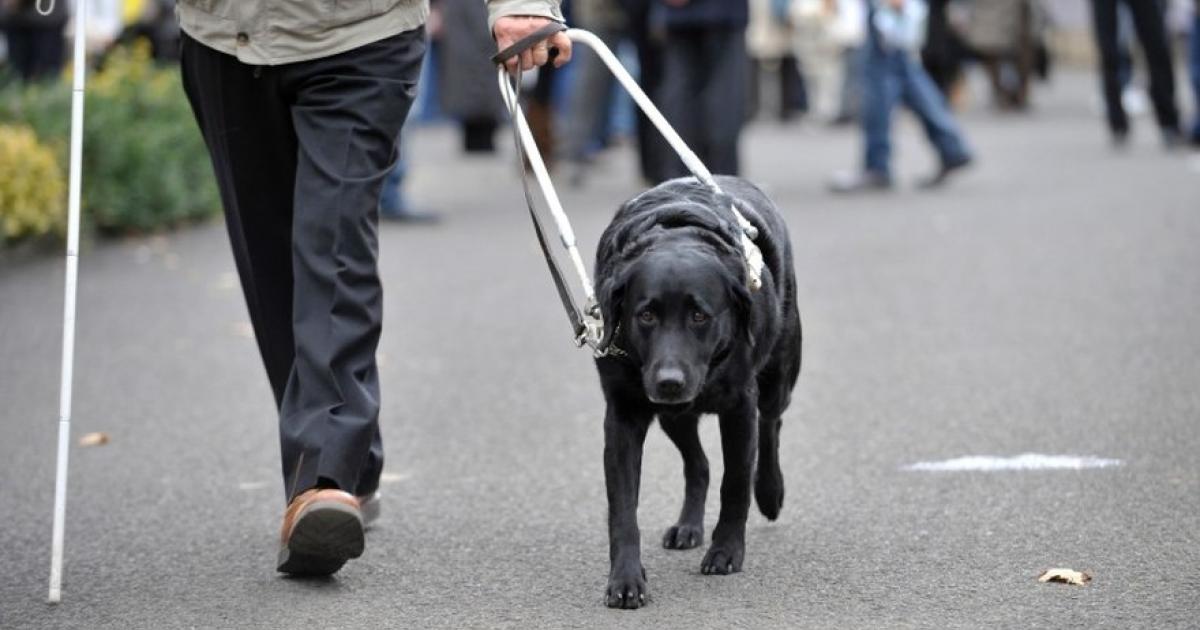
(703, 94)
(1151, 32)
(893, 77)
(1194, 69)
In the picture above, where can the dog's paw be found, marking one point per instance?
(683, 536)
(722, 559)
(627, 589)
(768, 493)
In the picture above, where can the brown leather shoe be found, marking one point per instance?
(322, 529)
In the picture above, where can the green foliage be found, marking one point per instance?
(31, 186)
(145, 164)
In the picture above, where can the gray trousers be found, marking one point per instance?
(300, 153)
(703, 94)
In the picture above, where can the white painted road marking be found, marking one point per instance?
(1025, 461)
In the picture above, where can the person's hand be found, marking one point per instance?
(896, 5)
(510, 29)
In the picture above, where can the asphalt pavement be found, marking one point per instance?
(1045, 302)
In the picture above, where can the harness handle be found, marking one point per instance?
(527, 42)
(586, 319)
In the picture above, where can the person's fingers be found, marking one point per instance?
(527, 60)
(512, 64)
(563, 44)
(541, 53)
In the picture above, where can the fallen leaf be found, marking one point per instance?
(1065, 576)
(94, 439)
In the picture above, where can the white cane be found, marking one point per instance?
(68, 347)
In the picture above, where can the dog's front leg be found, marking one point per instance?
(739, 428)
(624, 436)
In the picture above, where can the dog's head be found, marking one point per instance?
(680, 301)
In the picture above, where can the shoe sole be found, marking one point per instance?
(325, 536)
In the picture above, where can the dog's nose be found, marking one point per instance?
(669, 382)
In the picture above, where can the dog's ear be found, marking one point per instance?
(742, 305)
(610, 293)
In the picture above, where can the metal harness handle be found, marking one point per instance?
(587, 321)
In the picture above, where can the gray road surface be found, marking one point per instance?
(1047, 302)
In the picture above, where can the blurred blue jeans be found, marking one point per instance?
(891, 77)
(1194, 68)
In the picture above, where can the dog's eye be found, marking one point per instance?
(647, 317)
(699, 317)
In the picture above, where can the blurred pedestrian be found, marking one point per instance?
(894, 76)
(1005, 36)
(36, 42)
(300, 103)
(704, 85)
(466, 77)
(848, 33)
(1149, 23)
(652, 148)
(590, 100)
(770, 40)
(1194, 69)
(944, 52)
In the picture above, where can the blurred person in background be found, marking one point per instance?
(848, 32)
(1005, 35)
(153, 21)
(652, 148)
(770, 39)
(590, 100)
(466, 76)
(36, 42)
(1194, 69)
(705, 84)
(1150, 26)
(944, 52)
(893, 76)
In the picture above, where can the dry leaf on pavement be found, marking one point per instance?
(94, 439)
(1065, 576)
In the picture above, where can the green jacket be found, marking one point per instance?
(273, 32)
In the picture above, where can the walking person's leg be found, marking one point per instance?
(247, 127)
(1104, 20)
(1194, 70)
(683, 74)
(348, 110)
(881, 91)
(723, 64)
(1151, 28)
(927, 102)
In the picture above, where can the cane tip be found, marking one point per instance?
(55, 596)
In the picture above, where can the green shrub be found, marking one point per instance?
(145, 164)
(31, 186)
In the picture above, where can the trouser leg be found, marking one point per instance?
(1151, 29)
(1194, 70)
(723, 64)
(347, 112)
(682, 82)
(924, 99)
(1104, 18)
(881, 90)
(590, 100)
(247, 126)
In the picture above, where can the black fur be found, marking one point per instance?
(671, 284)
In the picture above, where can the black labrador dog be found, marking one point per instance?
(687, 336)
